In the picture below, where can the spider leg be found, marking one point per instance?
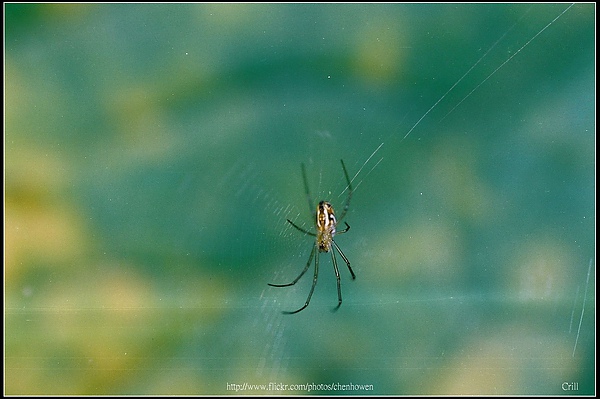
(345, 230)
(349, 187)
(312, 253)
(310, 203)
(344, 257)
(312, 289)
(302, 230)
(337, 277)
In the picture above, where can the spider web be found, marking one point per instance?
(434, 252)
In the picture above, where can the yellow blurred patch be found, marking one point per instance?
(379, 52)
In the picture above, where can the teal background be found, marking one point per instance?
(152, 157)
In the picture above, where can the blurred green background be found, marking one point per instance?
(152, 157)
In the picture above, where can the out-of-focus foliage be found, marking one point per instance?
(152, 157)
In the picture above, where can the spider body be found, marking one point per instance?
(325, 225)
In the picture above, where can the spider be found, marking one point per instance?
(325, 224)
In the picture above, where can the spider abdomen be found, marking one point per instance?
(326, 223)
